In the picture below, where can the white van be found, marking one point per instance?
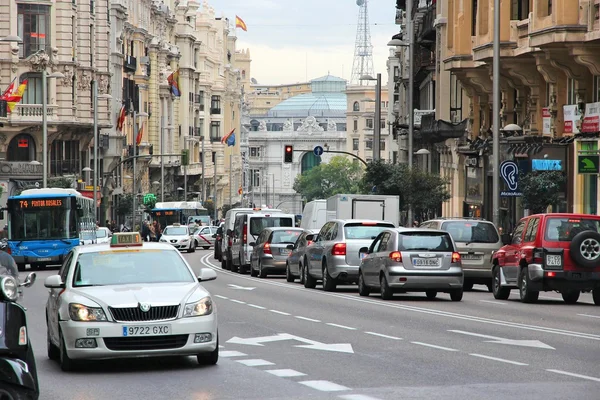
(314, 215)
(228, 231)
(247, 227)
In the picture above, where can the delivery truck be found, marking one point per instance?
(364, 206)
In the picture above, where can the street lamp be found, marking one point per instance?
(377, 125)
(86, 170)
(496, 116)
(45, 123)
(424, 152)
(96, 142)
(135, 133)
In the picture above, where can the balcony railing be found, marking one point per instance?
(60, 167)
(425, 29)
(214, 139)
(32, 113)
(215, 110)
(130, 64)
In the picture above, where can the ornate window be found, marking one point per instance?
(33, 26)
(33, 90)
(309, 161)
(356, 106)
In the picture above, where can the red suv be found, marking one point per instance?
(558, 252)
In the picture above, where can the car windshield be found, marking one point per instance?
(565, 229)
(101, 233)
(364, 230)
(130, 266)
(175, 231)
(285, 237)
(425, 241)
(87, 235)
(471, 231)
(257, 224)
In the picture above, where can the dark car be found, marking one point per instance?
(218, 240)
(270, 251)
(293, 266)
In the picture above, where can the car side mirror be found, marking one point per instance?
(310, 238)
(252, 244)
(364, 250)
(207, 274)
(29, 280)
(55, 282)
(214, 235)
(290, 247)
(506, 238)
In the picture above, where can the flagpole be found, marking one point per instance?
(230, 178)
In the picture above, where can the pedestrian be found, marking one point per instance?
(156, 228)
(146, 232)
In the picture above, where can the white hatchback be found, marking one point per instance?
(118, 300)
(179, 236)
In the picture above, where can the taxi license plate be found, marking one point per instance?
(553, 261)
(426, 262)
(146, 330)
(471, 256)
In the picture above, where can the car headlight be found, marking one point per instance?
(202, 307)
(10, 288)
(79, 312)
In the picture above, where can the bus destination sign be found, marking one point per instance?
(41, 203)
(165, 213)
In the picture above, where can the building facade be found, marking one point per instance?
(261, 98)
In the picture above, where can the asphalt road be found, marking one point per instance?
(282, 341)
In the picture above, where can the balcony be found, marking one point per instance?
(130, 64)
(197, 132)
(425, 18)
(215, 111)
(61, 167)
(32, 113)
(215, 139)
(424, 63)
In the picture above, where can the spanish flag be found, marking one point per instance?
(121, 118)
(140, 134)
(239, 23)
(14, 98)
(173, 81)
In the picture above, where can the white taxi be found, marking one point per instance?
(179, 236)
(129, 299)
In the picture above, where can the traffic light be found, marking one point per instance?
(185, 157)
(288, 156)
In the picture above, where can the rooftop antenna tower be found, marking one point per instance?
(363, 51)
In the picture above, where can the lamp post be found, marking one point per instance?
(45, 123)
(162, 160)
(96, 141)
(134, 188)
(377, 124)
(496, 116)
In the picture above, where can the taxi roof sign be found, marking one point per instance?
(126, 239)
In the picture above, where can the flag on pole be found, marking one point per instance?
(140, 134)
(229, 138)
(9, 90)
(240, 191)
(121, 119)
(14, 98)
(239, 23)
(173, 80)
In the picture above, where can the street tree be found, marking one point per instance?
(125, 205)
(541, 189)
(339, 175)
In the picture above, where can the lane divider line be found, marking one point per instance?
(433, 346)
(238, 301)
(383, 336)
(232, 353)
(285, 373)
(221, 297)
(341, 326)
(324, 386)
(357, 397)
(496, 302)
(255, 362)
(307, 319)
(257, 306)
(497, 359)
(279, 312)
(558, 371)
(589, 316)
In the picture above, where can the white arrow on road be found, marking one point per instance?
(511, 342)
(240, 287)
(310, 344)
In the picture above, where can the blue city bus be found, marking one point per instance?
(177, 212)
(45, 224)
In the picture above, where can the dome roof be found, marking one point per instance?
(320, 104)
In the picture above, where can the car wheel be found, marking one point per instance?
(209, 358)
(386, 292)
(192, 248)
(571, 297)
(431, 294)
(456, 295)
(66, 363)
(301, 271)
(499, 292)
(596, 296)
(53, 350)
(363, 289)
(223, 264)
(527, 295)
(261, 272)
(329, 283)
(309, 281)
(467, 286)
(288, 274)
(229, 263)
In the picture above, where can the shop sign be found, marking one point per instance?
(509, 172)
(571, 116)
(546, 121)
(588, 164)
(591, 119)
(418, 114)
(546, 165)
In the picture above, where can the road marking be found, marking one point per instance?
(285, 373)
(497, 359)
(221, 346)
(383, 336)
(238, 287)
(439, 313)
(255, 306)
(255, 362)
(357, 397)
(498, 340)
(232, 354)
(221, 297)
(589, 316)
(279, 312)
(308, 343)
(341, 326)
(325, 386)
(557, 371)
(499, 303)
(434, 346)
(307, 319)
(238, 301)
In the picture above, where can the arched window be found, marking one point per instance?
(356, 106)
(21, 148)
(243, 74)
(309, 161)
(33, 90)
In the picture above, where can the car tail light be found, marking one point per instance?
(267, 248)
(309, 242)
(550, 274)
(339, 249)
(455, 257)
(245, 233)
(396, 256)
(538, 256)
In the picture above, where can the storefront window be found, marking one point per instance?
(590, 184)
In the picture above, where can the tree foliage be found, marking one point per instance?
(125, 205)
(339, 175)
(210, 206)
(61, 182)
(541, 189)
(421, 189)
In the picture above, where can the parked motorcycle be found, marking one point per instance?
(18, 372)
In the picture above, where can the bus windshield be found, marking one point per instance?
(49, 223)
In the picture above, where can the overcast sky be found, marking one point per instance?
(292, 41)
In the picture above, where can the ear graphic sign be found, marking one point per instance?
(510, 173)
